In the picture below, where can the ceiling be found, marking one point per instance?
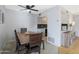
(41, 8)
(72, 8)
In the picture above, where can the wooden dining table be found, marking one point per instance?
(25, 37)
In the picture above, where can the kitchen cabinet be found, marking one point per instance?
(67, 33)
(67, 38)
(65, 16)
(42, 20)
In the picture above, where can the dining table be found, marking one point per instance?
(25, 36)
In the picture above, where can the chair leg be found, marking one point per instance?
(26, 51)
(39, 52)
(43, 45)
(40, 49)
(26, 46)
(17, 50)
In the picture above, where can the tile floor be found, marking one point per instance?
(49, 49)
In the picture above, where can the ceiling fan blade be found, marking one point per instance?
(21, 6)
(32, 6)
(33, 9)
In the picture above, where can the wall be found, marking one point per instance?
(15, 20)
(2, 28)
(76, 27)
(33, 23)
(54, 25)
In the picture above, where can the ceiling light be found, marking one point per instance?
(28, 10)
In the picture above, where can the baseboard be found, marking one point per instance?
(51, 43)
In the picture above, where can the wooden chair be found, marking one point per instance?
(43, 44)
(35, 43)
(19, 46)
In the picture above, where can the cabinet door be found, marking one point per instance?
(62, 39)
(42, 20)
(67, 38)
(64, 16)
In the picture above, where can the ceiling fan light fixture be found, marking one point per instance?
(28, 10)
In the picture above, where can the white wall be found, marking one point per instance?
(33, 23)
(2, 29)
(76, 27)
(15, 20)
(54, 25)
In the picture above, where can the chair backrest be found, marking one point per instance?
(35, 39)
(17, 39)
(23, 30)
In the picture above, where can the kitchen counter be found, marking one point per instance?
(67, 38)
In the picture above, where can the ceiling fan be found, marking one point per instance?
(28, 7)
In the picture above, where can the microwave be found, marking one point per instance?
(41, 25)
(64, 27)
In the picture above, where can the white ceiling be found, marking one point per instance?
(41, 8)
(72, 8)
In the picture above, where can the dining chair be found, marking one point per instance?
(35, 43)
(19, 47)
(23, 30)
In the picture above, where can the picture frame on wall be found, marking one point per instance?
(1, 17)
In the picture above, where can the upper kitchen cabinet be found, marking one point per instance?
(65, 16)
(42, 20)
